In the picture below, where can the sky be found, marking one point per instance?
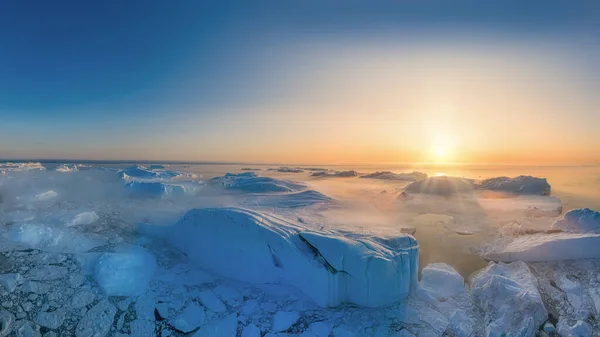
(296, 82)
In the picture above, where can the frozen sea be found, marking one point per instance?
(113, 249)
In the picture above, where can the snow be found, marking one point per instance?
(66, 168)
(583, 220)
(508, 293)
(387, 175)
(125, 273)
(53, 239)
(517, 185)
(334, 173)
(251, 182)
(441, 281)
(328, 267)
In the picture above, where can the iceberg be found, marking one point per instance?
(289, 200)
(338, 174)
(441, 281)
(441, 185)
(518, 185)
(10, 167)
(251, 182)
(328, 267)
(66, 168)
(156, 189)
(583, 220)
(508, 293)
(388, 175)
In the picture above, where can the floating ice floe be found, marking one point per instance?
(10, 167)
(66, 168)
(336, 174)
(84, 218)
(579, 239)
(158, 182)
(517, 185)
(45, 196)
(508, 293)
(528, 205)
(251, 182)
(583, 220)
(387, 175)
(441, 281)
(287, 169)
(329, 268)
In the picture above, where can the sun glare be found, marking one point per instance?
(441, 150)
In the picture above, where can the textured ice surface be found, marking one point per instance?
(251, 182)
(330, 268)
(288, 200)
(509, 295)
(12, 167)
(387, 175)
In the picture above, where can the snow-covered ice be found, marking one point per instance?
(334, 173)
(441, 281)
(330, 268)
(125, 273)
(517, 185)
(251, 182)
(583, 220)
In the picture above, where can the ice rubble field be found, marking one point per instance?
(150, 251)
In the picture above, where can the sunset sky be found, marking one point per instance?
(301, 81)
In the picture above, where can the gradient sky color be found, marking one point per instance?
(301, 81)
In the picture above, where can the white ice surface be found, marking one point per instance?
(329, 268)
(583, 220)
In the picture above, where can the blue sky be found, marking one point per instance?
(190, 79)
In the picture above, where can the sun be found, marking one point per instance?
(441, 150)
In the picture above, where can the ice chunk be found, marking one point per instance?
(251, 330)
(287, 169)
(333, 173)
(84, 218)
(192, 317)
(545, 247)
(156, 189)
(8, 167)
(331, 268)
(441, 185)
(211, 301)
(251, 182)
(583, 220)
(508, 293)
(97, 321)
(518, 185)
(283, 320)
(387, 175)
(441, 281)
(579, 329)
(45, 196)
(66, 168)
(126, 273)
(226, 326)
